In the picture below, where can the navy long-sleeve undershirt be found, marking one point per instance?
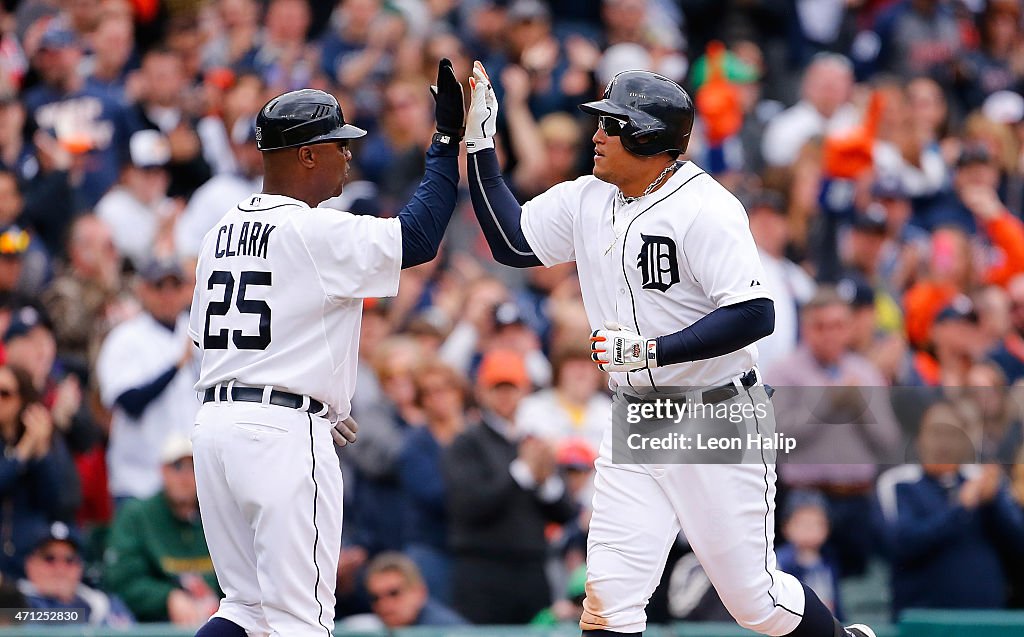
(498, 212)
(426, 216)
(135, 400)
(724, 330)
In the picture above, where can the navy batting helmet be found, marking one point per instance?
(657, 112)
(302, 117)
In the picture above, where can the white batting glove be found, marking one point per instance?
(345, 432)
(617, 349)
(482, 120)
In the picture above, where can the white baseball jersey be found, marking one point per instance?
(279, 289)
(656, 265)
(135, 353)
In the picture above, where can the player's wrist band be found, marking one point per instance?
(446, 139)
(652, 352)
(474, 145)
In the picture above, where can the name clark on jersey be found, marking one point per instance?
(251, 240)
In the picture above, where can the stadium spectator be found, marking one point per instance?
(84, 300)
(836, 404)
(112, 44)
(33, 469)
(157, 559)
(138, 210)
(574, 407)
(145, 370)
(442, 395)
(238, 23)
(53, 582)
(791, 286)
(503, 490)
(805, 528)
(221, 192)
(380, 508)
(164, 102)
(824, 108)
(281, 55)
(90, 123)
(1001, 431)
(18, 256)
(948, 521)
(1009, 354)
(995, 64)
(400, 598)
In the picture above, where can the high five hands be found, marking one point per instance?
(449, 104)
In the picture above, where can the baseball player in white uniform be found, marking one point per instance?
(672, 286)
(276, 312)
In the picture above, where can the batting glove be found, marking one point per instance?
(345, 432)
(482, 121)
(449, 106)
(617, 349)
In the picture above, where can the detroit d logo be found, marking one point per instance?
(657, 263)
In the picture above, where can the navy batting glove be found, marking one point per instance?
(449, 104)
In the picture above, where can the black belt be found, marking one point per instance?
(709, 396)
(255, 395)
(725, 392)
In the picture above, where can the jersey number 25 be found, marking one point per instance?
(244, 305)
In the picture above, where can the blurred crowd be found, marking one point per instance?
(877, 145)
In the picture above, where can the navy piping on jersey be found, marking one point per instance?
(768, 510)
(280, 205)
(625, 236)
(316, 529)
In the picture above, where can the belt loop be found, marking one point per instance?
(323, 409)
(267, 391)
(216, 393)
(231, 390)
(304, 405)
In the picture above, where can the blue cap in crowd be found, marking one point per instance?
(56, 532)
(855, 291)
(888, 186)
(157, 270)
(803, 498)
(23, 321)
(959, 309)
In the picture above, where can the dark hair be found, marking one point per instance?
(27, 395)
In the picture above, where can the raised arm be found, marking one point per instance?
(497, 210)
(426, 216)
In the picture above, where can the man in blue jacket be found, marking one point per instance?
(948, 524)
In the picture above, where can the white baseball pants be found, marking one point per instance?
(727, 512)
(270, 494)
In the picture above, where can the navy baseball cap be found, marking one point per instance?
(23, 321)
(873, 219)
(959, 309)
(855, 291)
(802, 498)
(58, 37)
(507, 314)
(55, 532)
(888, 186)
(157, 270)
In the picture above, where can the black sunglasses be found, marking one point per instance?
(612, 126)
(394, 592)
